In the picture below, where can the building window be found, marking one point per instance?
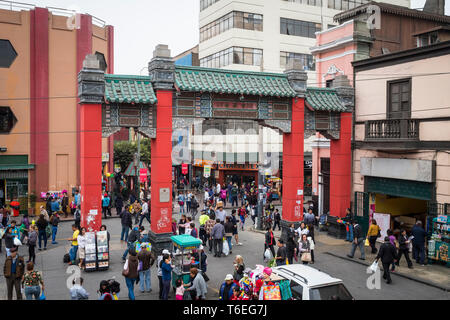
(399, 99)
(299, 28)
(206, 3)
(235, 19)
(7, 120)
(427, 39)
(7, 53)
(317, 3)
(345, 4)
(234, 55)
(306, 60)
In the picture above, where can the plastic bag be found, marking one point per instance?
(226, 249)
(17, 242)
(367, 244)
(374, 266)
(42, 297)
(268, 254)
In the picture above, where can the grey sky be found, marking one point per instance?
(141, 24)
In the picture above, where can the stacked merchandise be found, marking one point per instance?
(440, 239)
(102, 250)
(90, 252)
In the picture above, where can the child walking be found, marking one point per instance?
(179, 293)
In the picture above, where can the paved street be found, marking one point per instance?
(353, 274)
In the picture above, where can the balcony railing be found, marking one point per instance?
(395, 129)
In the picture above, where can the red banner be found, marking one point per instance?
(143, 174)
(184, 168)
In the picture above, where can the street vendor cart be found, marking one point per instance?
(275, 189)
(440, 240)
(182, 257)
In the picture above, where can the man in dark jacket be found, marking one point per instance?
(281, 253)
(358, 241)
(13, 271)
(148, 259)
(119, 203)
(126, 221)
(226, 289)
(217, 233)
(269, 241)
(388, 256)
(418, 242)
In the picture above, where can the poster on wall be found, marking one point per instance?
(384, 221)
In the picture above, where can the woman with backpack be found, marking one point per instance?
(32, 239)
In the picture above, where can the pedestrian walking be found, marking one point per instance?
(166, 268)
(32, 282)
(188, 202)
(291, 246)
(134, 236)
(229, 227)
(202, 220)
(373, 233)
(235, 227)
(358, 241)
(54, 222)
(349, 227)
(277, 220)
(105, 205)
(74, 244)
(32, 240)
(181, 200)
(159, 261)
(81, 239)
(234, 195)
(146, 261)
(418, 242)
(404, 248)
(269, 241)
(65, 203)
(77, 216)
(388, 256)
(136, 209)
(281, 257)
(9, 241)
(209, 225)
(126, 222)
(179, 291)
(194, 206)
(145, 213)
(243, 213)
(392, 240)
(220, 213)
(304, 249)
(310, 237)
(130, 272)
(119, 203)
(42, 224)
(13, 271)
(181, 224)
(217, 233)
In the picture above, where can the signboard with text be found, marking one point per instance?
(143, 174)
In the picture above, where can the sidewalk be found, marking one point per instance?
(434, 275)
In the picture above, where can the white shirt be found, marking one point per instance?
(81, 241)
(144, 208)
(218, 188)
(221, 214)
(206, 195)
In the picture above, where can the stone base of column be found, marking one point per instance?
(160, 241)
(285, 225)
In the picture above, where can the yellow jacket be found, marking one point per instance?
(373, 230)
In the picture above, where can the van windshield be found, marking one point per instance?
(333, 292)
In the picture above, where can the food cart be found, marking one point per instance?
(183, 245)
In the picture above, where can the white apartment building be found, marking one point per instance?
(263, 35)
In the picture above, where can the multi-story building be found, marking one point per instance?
(401, 148)
(257, 35)
(41, 53)
(354, 39)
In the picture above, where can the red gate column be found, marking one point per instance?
(341, 152)
(293, 150)
(341, 168)
(91, 92)
(162, 72)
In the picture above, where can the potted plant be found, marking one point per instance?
(32, 199)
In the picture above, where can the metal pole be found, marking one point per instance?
(260, 177)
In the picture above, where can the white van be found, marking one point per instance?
(308, 283)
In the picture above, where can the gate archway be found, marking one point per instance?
(173, 96)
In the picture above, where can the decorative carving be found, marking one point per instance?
(297, 77)
(309, 133)
(331, 134)
(185, 122)
(147, 131)
(264, 110)
(282, 125)
(162, 69)
(109, 131)
(332, 70)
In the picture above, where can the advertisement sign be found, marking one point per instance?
(105, 157)
(143, 174)
(206, 171)
(184, 169)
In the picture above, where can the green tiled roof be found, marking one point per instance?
(232, 82)
(130, 169)
(324, 99)
(129, 89)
